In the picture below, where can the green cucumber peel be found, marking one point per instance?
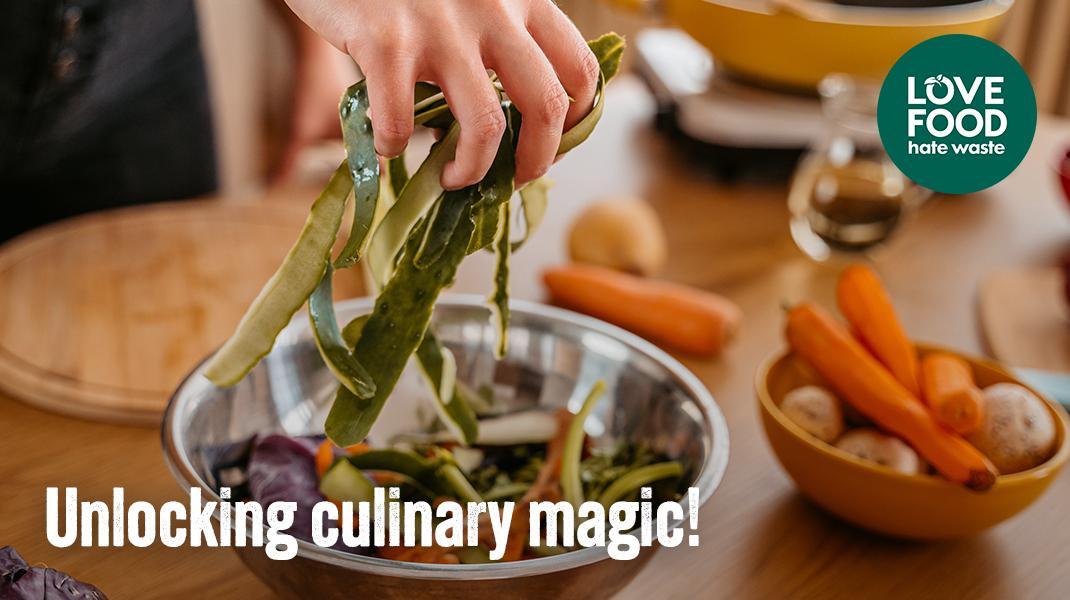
(396, 327)
(415, 199)
(351, 332)
(534, 198)
(404, 462)
(287, 289)
(633, 480)
(329, 340)
(363, 170)
(499, 297)
(571, 484)
(439, 369)
(346, 483)
(397, 173)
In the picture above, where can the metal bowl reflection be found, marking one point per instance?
(554, 357)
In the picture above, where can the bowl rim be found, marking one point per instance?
(707, 479)
(973, 11)
(1042, 471)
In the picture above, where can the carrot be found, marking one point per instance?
(869, 387)
(325, 454)
(866, 305)
(550, 472)
(681, 317)
(358, 448)
(951, 393)
(324, 457)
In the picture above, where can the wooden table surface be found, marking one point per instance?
(760, 538)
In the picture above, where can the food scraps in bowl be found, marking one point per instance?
(525, 457)
(926, 410)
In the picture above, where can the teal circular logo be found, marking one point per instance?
(957, 114)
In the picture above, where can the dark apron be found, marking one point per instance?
(103, 103)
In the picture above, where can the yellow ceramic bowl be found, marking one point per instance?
(797, 43)
(885, 501)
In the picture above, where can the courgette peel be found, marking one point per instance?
(415, 199)
(637, 478)
(363, 164)
(439, 369)
(571, 484)
(499, 297)
(396, 327)
(534, 198)
(346, 368)
(288, 288)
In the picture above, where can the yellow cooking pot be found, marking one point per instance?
(795, 43)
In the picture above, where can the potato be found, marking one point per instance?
(623, 234)
(1017, 432)
(816, 410)
(874, 446)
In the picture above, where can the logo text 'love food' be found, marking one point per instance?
(967, 126)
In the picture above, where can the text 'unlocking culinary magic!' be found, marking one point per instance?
(623, 527)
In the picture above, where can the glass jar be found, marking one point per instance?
(846, 195)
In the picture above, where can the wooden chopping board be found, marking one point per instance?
(103, 315)
(1025, 318)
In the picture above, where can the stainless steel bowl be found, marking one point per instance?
(554, 358)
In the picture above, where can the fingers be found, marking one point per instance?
(476, 106)
(390, 96)
(576, 66)
(533, 86)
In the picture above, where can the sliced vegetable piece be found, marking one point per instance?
(444, 216)
(633, 480)
(363, 164)
(571, 485)
(395, 329)
(324, 457)
(499, 297)
(351, 332)
(497, 186)
(398, 173)
(287, 289)
(505, 491)
(405, 462)
(528, 427)
(345, 483)
(534, 198)
(462, 489)
(609, 49)
(421, 191)
(345, 366)
(440, 370)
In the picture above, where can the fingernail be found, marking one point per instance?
(386, 154)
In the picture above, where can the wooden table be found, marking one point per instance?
(760, 538)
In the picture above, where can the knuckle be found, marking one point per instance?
(394, 129)
(553, 105)
(488, 125)
(385, 46)
(588, 66)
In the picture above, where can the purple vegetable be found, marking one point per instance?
(19, 581)
(284, 468)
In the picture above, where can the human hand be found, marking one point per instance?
(537, 53)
